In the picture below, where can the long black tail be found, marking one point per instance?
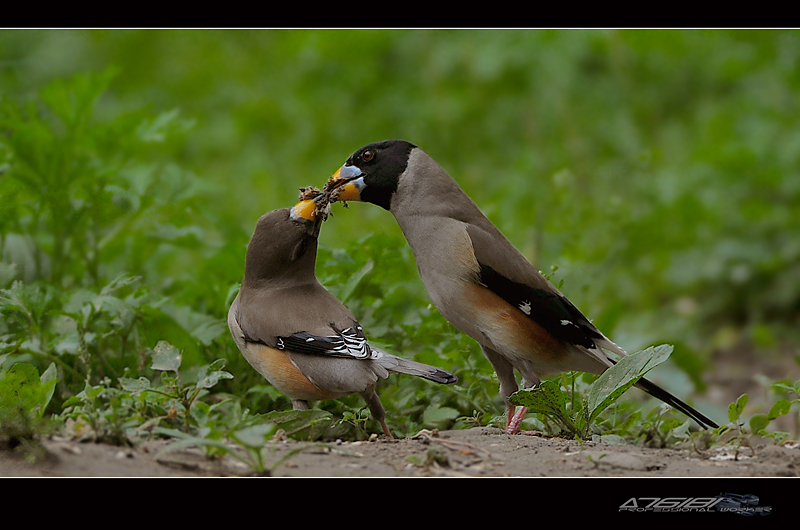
(659, 393)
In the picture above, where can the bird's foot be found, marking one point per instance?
(531, 433)
(515, 418)
(386, 430)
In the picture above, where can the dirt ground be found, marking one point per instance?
(477, 452)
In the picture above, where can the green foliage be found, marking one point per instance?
(24, 397)
(741, 432)
(87, 202)
(246, 438)
(578, 420)
(120, 413)
(92, 333)
(612, 383)
(75, 189)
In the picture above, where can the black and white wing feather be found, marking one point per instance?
(350, 342)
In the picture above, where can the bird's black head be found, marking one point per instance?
(371, 174)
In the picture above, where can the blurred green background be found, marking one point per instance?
(653, 174)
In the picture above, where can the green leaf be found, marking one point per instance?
(308, 424)
(23, 391)
(155, 130)
(8, 271)
(255, 435)
(137, 385)
(210, 375)
(49, 379)
(166, 357)
(546, 398)
(158, 325)
(736, 408)
(779, 408)
(354, 280)
(73, 100)
(435, 414)
(233, 290)
(759, 422)
(619, 378)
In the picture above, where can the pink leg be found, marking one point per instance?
(386, 429)
(515, 419)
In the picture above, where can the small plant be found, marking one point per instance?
(577, 416)
(741, 437)
(249, 438)
(24, 396)
(742, 433)
(116, 414)
(173, 407)
(659, 429)
(167, 359)
(435, 456)
(103, 413)
(781, 407)
(356, 419)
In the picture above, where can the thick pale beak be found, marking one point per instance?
(351, 182)
(306, 212)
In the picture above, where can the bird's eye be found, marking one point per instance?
(368, 155)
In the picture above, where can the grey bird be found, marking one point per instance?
(477, 279)
(295, 333)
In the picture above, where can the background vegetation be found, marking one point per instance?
(654, 175)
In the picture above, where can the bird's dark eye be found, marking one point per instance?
(368, 155)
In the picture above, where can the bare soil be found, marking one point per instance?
(477, 452)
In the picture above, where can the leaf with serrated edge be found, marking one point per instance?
(547, 398)
(619, 378)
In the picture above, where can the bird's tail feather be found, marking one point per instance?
(399, 365)
(659, 393)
